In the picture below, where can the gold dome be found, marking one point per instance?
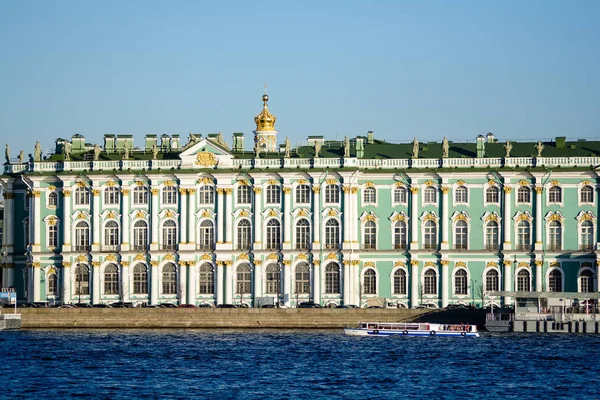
(265, 121)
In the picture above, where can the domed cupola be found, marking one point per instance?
(265, 135)
(265, 121)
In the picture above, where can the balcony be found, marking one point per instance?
(554, 247)
(205, 246)
(368, 246)
(523, 247)
(112, 247)
(82, 248)
(399, 246)
(141, 247)
(430, 246)
(492, 246)
(332, 246)
(460, 246)
(586, 247)
(168, 247)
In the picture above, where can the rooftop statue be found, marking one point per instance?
(287, 147)
(96, 152)
(445, 147)
(539, 148)
(37, 152)
(346, 147)
(415, 150)
(507, 148)
(125, 151)
(7, 154)
(66, 151)
(256, 149)
(317, 148)
(192, 139)
(21, 157)
(154, 151)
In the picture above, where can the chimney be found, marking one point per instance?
(481, 145)
(360, 147)
(560, 142)
(238, 142)
(370, 137)
(491, 138)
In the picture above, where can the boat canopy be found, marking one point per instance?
(544, 295)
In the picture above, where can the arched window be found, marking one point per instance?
(111, 235)
(430, 282)
(369, 195)
(586, 281)
(244, 277)
(52, 285)
(303, 194)
(586, 194)
(370, 236)
(206, 237)
(169, 195)
(273, 235)
(400, 195)
(302, 278)
(461, 234)
(206, 194)
(332, 234)
(111, 279)
(82, 236)
(460, 282)
(523, 235)
(169, 279)
(400, 281)
(140, 279)
(461, 194)
(492, 281)
(82, 280)
(430, 239)
(523, 281)
(206, 279)
(272, 279)
(524, 195)
(370, 282)
(332, 194)
(492, 235)
(82, 196)
(52, 199)
(430, 195)
(400, 235)
(332, 278)
(302, 234)
(555, 281)
(555, 194)
(111, 196)
(244, 235)
(586, 236)
(169, 235)
(140, 236)
(273, 194)
(492, 194)
(244, 194)
(555, 236)
(140, 195)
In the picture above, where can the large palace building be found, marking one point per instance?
(335, 222)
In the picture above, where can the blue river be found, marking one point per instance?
(293, 364)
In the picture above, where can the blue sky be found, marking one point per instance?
(520, 69)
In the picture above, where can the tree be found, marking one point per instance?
(481, 294)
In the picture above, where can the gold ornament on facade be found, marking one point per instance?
(524, 217)
(302, 213)
(205, 214)
(369, 217)
(169, 257)
(586, 216)
(316, 189)
(346, 189)
(523, 182)
(139, 214)
(66, 264)
(51, 270)
(444, 262)
(399, 264)
(316, 262)
(51, 188)
(36, 264)
(154, 263)
(460, 264)
(244, 213)
(169, 214)
(539, 263)
(429, 217)
(243, 256)
(445, 189)
(302, 181)
(332, 213)
(96, 263)
(168, 182)
(52, 220)
(460, 217)
(272, 256)
(206, 257)
(81, 215)
(302, 256)
(81, 258)
(353, 190)
(507, 189)
(523, 265)
(369, 184)
(492, 264)
(555, 217)
(399, 217)
(205, 181)
(257, 190)
(430, 264)
(430, 183)
(354, 262)
(399, 184)
(491, 182)
(139, 257)
(554, 264)
(414, 262)
(228, 262)
(586, 182)
(369, 264)
(192, 190)
(555, 183)
(111, 183)
(37, 193)
(96, 192)
(125, 192)
(286, 262)
(332, 256)
(111, 215)
(228, 190)
(273, 182)
(125, 263)
(491, 217)
(265, 121)
(414, 190)
(81, 184)
(183, 191)
(139, 183)
(287, 190)
(331, 181)
(111, 257)
(272, 213)
(154, 192)
(243, 182)
(460, 182)
(539, 189)
(66, 193)
(507, 263)
(257, 262)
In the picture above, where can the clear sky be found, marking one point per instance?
(521, 69)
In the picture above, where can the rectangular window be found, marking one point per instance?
(206, 195)
(303, 194)
(332, 194)
(369, 195)
(244, 196)
(53, 236)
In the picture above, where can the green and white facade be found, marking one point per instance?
(361, 219)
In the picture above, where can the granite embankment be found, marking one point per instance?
(66, 318)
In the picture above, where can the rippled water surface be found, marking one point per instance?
(282, 364)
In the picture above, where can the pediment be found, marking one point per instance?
(205, 153)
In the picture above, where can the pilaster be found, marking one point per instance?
(125, 219)
(507, 280)
(414, 218)
(507, 218)
(66, 282)
(287, 218)
(316, 217)
(414, 283)
(317, 281)
(445, 218)
(445, 283)
(66, 220)
(154, 210)
(258, 219)
(538, 218)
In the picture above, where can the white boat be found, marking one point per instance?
(411, 329)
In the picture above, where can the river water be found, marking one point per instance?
(294, 364)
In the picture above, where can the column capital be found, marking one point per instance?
(539, 263)
(507, 189)
(445, 189)
(414, 190)
(539, 189)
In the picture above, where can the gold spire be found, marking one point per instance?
(265, 121)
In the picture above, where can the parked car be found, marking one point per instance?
(374, 307)
(309, 304)
(227, 306)
(187, 306)
(82, 305)
(168, 305)
(346, 306)
(66, 306)
(205, 305)
(268, 306)
(120, 304)
(101, 305)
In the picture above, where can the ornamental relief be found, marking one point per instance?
(585, 216)
(399, 216)
(491, 216)
(554, 216)
(368, 216)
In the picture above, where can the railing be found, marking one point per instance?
(111, 247)
(80, 247)
(141, 247)
(207, 247)
(168, 247)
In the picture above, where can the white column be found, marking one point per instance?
(125, 219)
(66, 282)
(507, 218)
(183, 216)
(317, 217)
(228, 218)
(347, 215)
(96, 220)
(538, 275)
(192, 215)
(36, 282)
(257, 278)
(220, 270)
(287, 218)
(36, 223)
(182, 285)
(154, 283)
(346, 294)
(445, 218)
(95, 282)
(258, 220)
(287, 282)
(507, 280)
(125, 281)
(7, 237)
(354, 216)
(228, 282)
(154, 219)
(66, 221)
(538, 218)
(220, 211)
(414, 219)
(316, 295)
(445, 283)
(191, 284)
(414, 283)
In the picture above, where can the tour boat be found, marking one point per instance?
(411, 329)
